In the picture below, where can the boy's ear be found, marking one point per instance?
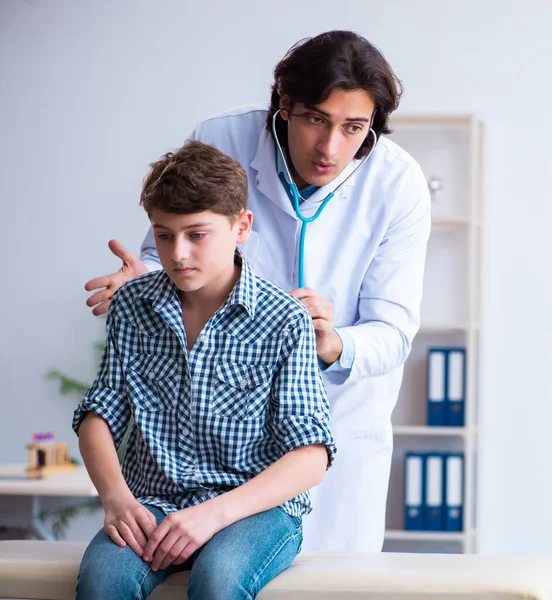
(244, 221)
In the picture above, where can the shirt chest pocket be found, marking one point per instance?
(152, 381)
(241, 391)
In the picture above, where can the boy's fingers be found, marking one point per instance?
(147, 522)
(112, 532)
(129, 538)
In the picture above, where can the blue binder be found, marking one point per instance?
(454, 492)
(436, 386)
(433, 496)
(414, 491)
(456, 387)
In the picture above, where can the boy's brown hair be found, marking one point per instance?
(195, 178)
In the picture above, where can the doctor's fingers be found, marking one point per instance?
(322, 326)
(305, 292)
(319, 308)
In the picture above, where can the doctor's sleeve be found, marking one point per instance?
(391, 292)
(148, 252)
(106, 397)
(300, 412)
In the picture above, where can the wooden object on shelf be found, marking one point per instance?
(47, 456)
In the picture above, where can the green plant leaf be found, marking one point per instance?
(67, 385)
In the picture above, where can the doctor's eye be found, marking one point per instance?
(354, 128)
(314, 119)
(164, 236)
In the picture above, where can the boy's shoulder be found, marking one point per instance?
(277, 306)
(130, 294)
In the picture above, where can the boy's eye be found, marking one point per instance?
(197, 236)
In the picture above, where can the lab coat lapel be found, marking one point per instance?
(267, 180)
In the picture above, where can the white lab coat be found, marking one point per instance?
(365, 254)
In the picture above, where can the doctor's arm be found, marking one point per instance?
(391, 293)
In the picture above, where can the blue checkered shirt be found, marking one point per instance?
(209, 419)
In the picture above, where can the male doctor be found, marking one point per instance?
(363, 256)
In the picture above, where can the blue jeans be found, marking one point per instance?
(233, 565)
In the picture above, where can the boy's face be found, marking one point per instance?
(324, 138)
(197, 250)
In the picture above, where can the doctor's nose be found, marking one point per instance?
(328, 144)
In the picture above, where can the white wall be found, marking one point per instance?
(91, 92)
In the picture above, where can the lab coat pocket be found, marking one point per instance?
(241, 390)
(152, 382)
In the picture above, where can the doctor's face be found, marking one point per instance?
(324, 138)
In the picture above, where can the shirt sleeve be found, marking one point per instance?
(345, 362)
(301, 413)
(106, 397)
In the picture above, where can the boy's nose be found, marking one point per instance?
(181, 251)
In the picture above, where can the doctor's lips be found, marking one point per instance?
(322, 168)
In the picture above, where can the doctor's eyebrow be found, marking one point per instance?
(329, 115)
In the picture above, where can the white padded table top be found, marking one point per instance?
(48, 570)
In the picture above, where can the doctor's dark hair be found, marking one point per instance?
(195, 178)
(314, 67)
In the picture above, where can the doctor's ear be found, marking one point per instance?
(284, 107)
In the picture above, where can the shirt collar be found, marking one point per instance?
(161, 290)
(282, 174)
(244, 292)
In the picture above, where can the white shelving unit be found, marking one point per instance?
(448, 147)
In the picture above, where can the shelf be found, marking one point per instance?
(441, 120)
(431, 431)
(425, 536)
(450, 223)
(447, 327)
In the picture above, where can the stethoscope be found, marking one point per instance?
(296, 196)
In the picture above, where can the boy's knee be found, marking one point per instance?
(108, 571)
(209, 583)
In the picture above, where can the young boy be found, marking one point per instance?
(218, 370)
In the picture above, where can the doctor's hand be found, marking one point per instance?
(132, 267)
(129, 523)
(180, 534)
(328, 343)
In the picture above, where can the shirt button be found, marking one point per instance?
(243, 383)
(202, 337)
(257, 182)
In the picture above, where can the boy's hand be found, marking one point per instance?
(328, 342)
(132, 267)
(129, 523)
(180, 534)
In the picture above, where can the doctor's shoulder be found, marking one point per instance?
(394, 164)
(235, 131)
